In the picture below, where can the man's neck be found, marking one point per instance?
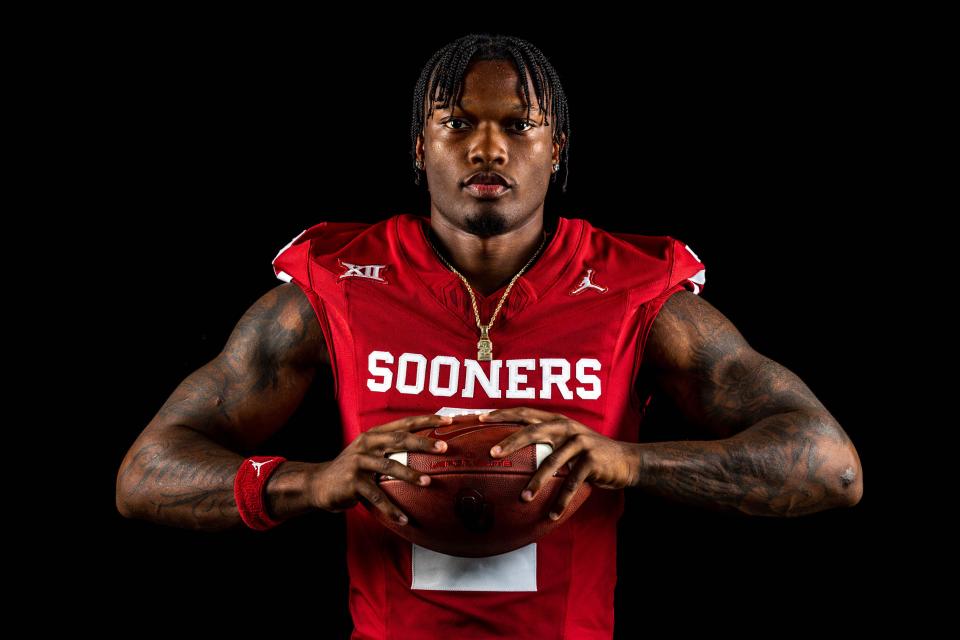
(487, 263)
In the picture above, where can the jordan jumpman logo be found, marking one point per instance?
(257, 465)
(587, 283)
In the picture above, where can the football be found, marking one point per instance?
(472, 506)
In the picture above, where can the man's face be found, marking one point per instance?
(488, 131)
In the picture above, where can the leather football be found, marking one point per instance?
(472, 506)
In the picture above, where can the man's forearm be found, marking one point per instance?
(787, 464)
(184, 479)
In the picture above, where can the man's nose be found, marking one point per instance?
(488, 146)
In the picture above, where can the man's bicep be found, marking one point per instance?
(253, 386)
(697, 357)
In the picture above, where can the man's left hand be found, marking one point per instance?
(606, 463)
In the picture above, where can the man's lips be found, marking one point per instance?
(486, 191)
(487, 177)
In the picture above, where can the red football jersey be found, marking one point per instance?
(402, 337)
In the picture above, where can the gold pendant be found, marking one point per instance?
(484, 346)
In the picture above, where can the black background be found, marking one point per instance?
(219, 141)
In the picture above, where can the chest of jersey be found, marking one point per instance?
(403, 333)
(415, 347)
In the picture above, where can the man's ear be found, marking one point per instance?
(418, 148)
(558, 147)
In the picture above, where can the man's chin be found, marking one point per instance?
(486, 223)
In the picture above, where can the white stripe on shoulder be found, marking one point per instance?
(287, 246)
(698, 280)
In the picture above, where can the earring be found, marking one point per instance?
(419, 164)
(556, 167)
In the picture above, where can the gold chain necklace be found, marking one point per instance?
(485, 346)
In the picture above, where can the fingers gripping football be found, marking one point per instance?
(595, 458)
(341, 483)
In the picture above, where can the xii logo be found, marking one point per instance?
(368, 271)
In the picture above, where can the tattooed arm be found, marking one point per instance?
(180, 470)
(780, 452)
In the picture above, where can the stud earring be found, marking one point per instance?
(556, 167)
(419, 164)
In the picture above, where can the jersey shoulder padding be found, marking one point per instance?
(667, 260)
(312, 244)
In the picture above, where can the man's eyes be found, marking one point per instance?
(515, 122)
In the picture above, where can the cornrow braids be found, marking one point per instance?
(441, 79)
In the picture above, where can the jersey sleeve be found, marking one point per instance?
(316, 246)
(292, 262)
(686, 269)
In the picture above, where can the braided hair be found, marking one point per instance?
(444, 73)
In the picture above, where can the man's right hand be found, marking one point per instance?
(340, 484)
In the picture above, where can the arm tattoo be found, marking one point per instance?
(182, 480)
(180, 471)
(787, 464)
(781, 452)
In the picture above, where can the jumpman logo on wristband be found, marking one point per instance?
(257, 465)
